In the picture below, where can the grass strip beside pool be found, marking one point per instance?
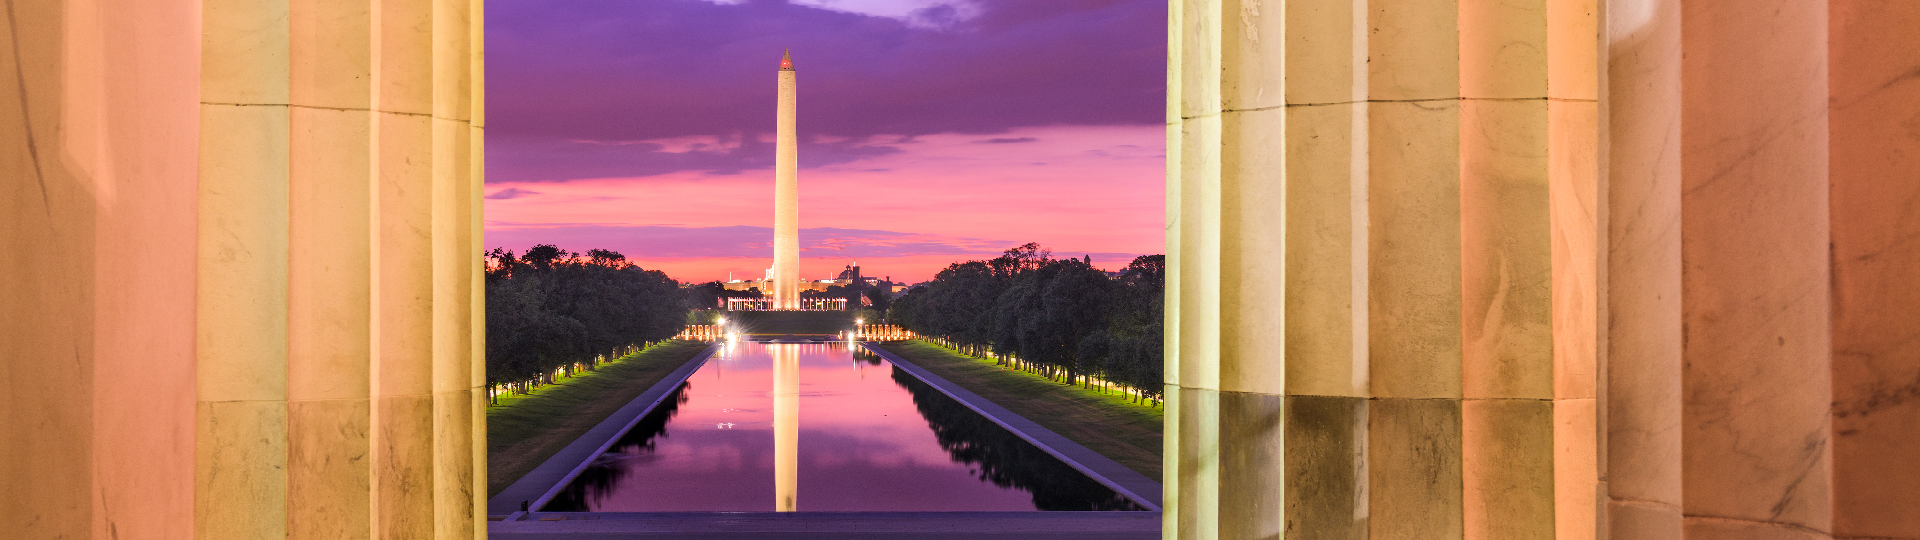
(524, 432)
(1126, 433)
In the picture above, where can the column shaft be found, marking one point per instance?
(242, 291)
(1755, 287)
(1643, 436)
(1192, 480)
(1875, 158)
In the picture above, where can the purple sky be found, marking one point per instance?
(931, 130)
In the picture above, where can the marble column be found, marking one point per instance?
(1754, 239)
(99, 121)
(338, 253)
(1414, 251)
(1421, 201)
(1528, 190)
(1874, 80)
(331, 259)
(241, 440)
(1642, 331)
(1326, 354)
(1192, 455)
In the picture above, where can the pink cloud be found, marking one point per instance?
(1077, 189)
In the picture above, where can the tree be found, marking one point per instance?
(550, 309)
(1060, 315)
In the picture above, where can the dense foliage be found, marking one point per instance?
(552, 310)
(1062, 316)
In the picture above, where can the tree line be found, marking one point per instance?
(1059, 317)
(551, 311)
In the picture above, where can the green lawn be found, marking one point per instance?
(1106, 423)
(524, 431)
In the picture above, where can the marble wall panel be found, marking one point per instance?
(1414, 484)
(1503, 48)
(405, 295)
(1573, 171)
(1756, 285)
(1506, 270)
(330, 257)
(1641, 519)
(452, 59)
(1573, 44)
(476, 277)
(329, 482)
(1194, 452)
(1252, 469)
(1253, 251)
(1874, 57)
(1642, 271)
(403, 471)
(477, 65)
(1326, 467)
(242, 285)
(331, 56)
(244, 53)
(1200, 248)
(1577, 495)
(1326, 51)
(1195, 33)
(453, 465)
(451, 260)
(1507, 455)
(406, 57)
(240, 472)
(1414, 278)
(1326, 242)
(1707, 528)
(141, 262)
(477, 408)
(1413, 50)
(1253, 54)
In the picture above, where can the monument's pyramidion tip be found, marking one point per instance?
(786, 60)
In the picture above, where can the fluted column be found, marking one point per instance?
(1192, 478)
(1528, 193)
(1643, 329)
(1874, 56)
(337, 257)
(241, 438)
(1327, 359)
(1755, 284)
(1414, 282)
(1383, 217)
(332, 265)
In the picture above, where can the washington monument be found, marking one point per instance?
(786, 197)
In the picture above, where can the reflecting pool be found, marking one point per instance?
(822, 427)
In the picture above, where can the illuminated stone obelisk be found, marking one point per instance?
(786, 196)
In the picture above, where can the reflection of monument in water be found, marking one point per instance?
(786, 426)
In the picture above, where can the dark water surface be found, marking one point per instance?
(860, 435)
